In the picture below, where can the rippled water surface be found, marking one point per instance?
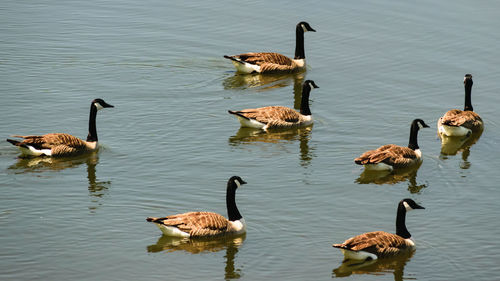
(169, 145)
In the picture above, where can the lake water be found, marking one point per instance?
(169, 145)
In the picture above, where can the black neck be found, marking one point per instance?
(413, 144)
(400, 222)
(92, 136)
(299, 43)
(304, 103)
(232, 210)
(468, 90)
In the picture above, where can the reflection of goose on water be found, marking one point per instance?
(396, 176)
(204, 224)
(196, 245)
(457, 123)
(203, 245)
(274, 62)
(249, 136)
(391, 156)
(394, 265)
(276, 117)
(381, 244)
(62, 145)
(44, 163)
(262, 82)
(453, 145)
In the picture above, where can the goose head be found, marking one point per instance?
(235, 182)
(100, 104)
(305, 26)
(419, 123)
(311, 84)
(409, 204)
(468, 79)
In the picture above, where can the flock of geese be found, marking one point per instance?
(367, 246)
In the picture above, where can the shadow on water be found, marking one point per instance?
(249, 136)
(452, 145)
(97, 189)
(394, 265)
(203, 245)
(264, 82)
(396, 176)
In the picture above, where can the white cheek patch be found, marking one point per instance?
(304, 27)
(311, 85)
(420, 126)
(407, 206)
(238, 184)
(98, 106)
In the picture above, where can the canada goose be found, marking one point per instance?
(391, 156)
(380, 244)
(274, 117)
(274, 62)
(201, 224)
(59, 144)
(461, 123)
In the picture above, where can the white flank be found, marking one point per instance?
(31, 151)
(410, 241)
(453, 131)
(419, 153)
(172, 231)
(238, 226)
(358, 255)
(91, 145)
(301, 63)
(251, 123)
(246, 67)
(308, 120)
(378, 167)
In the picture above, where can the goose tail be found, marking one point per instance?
(234, 59)
(155, 220)
(17, 143)
(340, 246)
(238, 114)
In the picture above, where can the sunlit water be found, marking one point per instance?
(169, 145)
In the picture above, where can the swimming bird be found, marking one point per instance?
(391, 156)
(380, 244)
(274, 62)
(206, 224)
(60, 144)
(276, 117)
(456, 122)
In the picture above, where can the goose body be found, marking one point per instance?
(391, 156)
(457, 122)
(205, 224)
(60, 144)
(381, 244)
(270, 117)
(268, 62)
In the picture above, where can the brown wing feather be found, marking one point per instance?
(196, 223)
(50, 140)
(274, 116)
(269, 62)
(391, 154)
(380, 243)
(467, 119)
(59, 143)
